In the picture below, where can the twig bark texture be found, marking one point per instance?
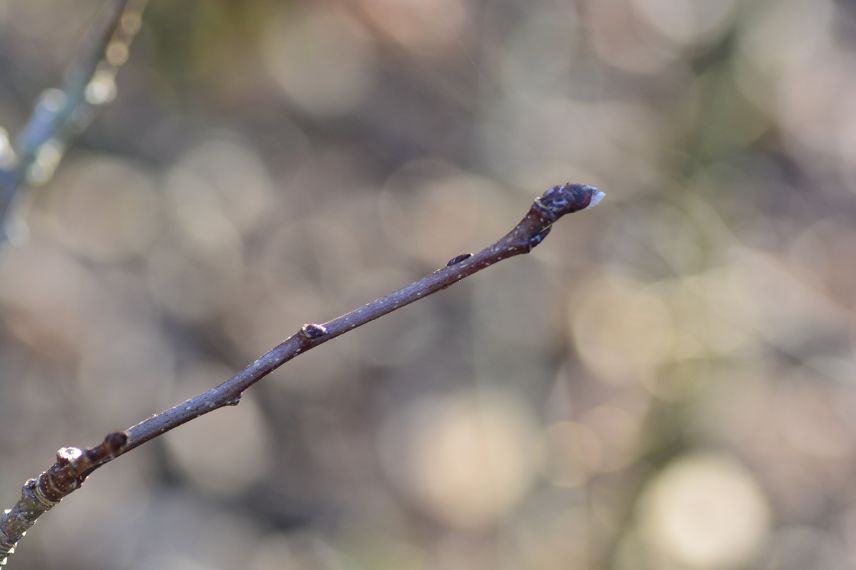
(73, 465)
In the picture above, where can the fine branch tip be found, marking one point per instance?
(566, 199)
(596, 198)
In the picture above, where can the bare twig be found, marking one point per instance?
(59, 113)
(73, 464)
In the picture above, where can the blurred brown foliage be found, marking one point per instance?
(666, 383)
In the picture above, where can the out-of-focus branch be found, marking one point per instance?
(61, 113)
(73, 464)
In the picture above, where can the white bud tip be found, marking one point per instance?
(596, 198)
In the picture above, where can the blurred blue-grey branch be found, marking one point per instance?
(61, 112)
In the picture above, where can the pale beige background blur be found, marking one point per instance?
(666, 383)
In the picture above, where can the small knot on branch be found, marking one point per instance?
(539, 237)
(458, 258)
(67, 455)
(114, 442)
(73, 465)
(312, 330)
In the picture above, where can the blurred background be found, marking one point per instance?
(666, 383)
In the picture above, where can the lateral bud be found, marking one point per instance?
(459, 258)
(66, 455)
(313, 330)
(114, 442)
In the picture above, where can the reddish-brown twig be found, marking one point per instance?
(73, 465)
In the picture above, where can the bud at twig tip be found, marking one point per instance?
(566, 199)
(596, 198)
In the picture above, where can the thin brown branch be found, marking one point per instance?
(73, 465)
(59, 113)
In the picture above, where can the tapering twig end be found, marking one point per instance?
(568, 198)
